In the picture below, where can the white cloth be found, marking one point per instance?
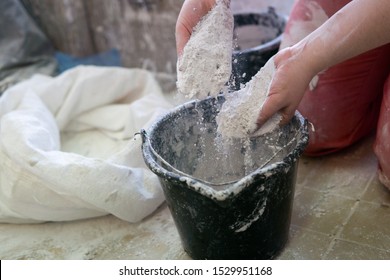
(68, 150)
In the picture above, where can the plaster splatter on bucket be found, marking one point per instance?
(229, 203)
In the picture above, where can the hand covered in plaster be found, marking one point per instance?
(291, 78)
(190, 14)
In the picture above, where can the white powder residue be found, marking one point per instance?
(205, 66)
(257, 213)
(314, 82)
(238, 115)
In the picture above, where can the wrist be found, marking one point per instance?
(309, 56)
(296, 60)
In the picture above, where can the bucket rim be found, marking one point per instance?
(269, 45)
(232, 189)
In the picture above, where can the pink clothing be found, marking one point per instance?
(348, 99)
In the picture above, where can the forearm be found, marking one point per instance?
(360, 26)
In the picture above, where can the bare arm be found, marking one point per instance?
(360, 26)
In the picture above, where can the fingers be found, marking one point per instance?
(272, 105)
(190, 14)
(182, 37)
(282, 98)
(267, 112)
(289, 83)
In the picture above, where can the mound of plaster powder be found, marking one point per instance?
(205, 65)
(238, 115)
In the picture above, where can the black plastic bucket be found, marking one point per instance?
(257, 39)
(235, 208)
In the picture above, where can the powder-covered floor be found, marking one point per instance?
(340, 211)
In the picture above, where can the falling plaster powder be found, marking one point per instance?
(205, 66)
(239, 112)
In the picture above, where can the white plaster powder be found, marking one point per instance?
(239, 113)
(205, 66)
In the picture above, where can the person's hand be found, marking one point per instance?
(190, 14)
(343, 36)
(292, 76)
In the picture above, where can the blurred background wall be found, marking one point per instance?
(142, 30)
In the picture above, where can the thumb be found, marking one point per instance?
(182, 37)
(271, 106)
(267, 110)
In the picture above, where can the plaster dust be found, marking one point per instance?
(103, 238)
(203, 70)
(238, 115)
(205, 66)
